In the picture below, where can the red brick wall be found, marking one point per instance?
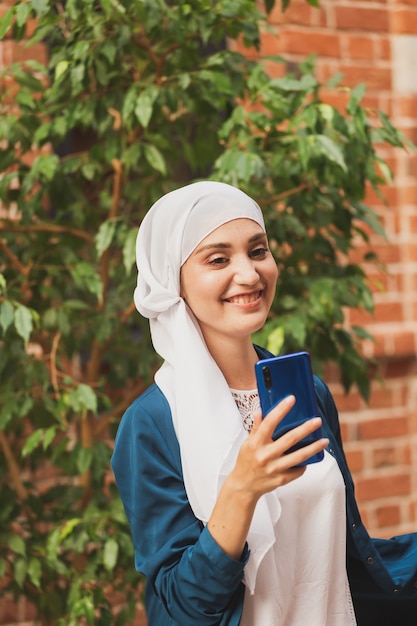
(374, 42)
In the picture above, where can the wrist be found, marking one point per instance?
(236, 491)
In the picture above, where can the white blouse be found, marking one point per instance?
(307, 578)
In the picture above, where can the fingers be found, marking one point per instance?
(266, 427)
(294, 435)
(269, 423)
(302, 454)
(263, 463)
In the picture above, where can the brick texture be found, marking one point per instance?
(404, 20)
(359, 16)
(357, 38)
(376, 43)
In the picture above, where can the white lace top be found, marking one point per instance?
(309, 584)
(247, 402)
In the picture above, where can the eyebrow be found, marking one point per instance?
(223, 246)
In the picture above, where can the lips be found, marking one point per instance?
(244, 298)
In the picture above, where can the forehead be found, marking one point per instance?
(233, 232)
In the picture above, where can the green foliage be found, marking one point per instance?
(138, 98)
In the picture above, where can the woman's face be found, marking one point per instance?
(229, 280)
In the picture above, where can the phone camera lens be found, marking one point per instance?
(266, 372)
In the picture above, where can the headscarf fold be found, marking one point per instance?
(206, 420)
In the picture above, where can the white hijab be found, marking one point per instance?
(206, 420)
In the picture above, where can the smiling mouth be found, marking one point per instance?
(245, 298)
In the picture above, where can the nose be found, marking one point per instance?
(246, 272)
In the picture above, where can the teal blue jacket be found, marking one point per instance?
(190, 581)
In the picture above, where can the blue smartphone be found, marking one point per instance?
(281, 376)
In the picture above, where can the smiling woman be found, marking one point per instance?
(228, 529)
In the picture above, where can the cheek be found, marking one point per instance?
(273, 273)
(272, 281)
(200, 289)
(205, 287)
(193, 285)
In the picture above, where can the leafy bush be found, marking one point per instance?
(136, 99)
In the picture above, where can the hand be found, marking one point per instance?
(263, 464)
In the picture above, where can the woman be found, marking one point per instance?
(226, 529)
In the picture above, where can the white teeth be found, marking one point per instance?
(245, 299)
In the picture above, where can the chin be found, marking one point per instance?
(252, 328)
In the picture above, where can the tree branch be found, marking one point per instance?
(127, 313)
(23, 269)
(13, 467)
(54, 374)
(286, 194)
(48, 228)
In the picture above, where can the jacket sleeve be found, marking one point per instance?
(328, 409)
(186, 571)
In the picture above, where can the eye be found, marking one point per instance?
(259, 253)
(217, 260)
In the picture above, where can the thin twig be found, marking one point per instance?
(23, 269)
(48, 228)
(286, 194)
(13, 467)
(54, 372)
(127, 313)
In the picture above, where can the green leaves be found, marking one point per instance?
(325, 146)
(34, 572)
(105, 236)
(22, 13)
(6, 315)
(129, 249)
(110, 554)
(6, 21)
(17, 545)
(40, 6)
(44, 436)
(85, 277)
(23, 322)
(83, 399)
(154, 158)
(18, 316)
(144, 105)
